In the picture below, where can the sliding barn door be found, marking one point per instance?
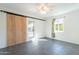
(10, 29)
(20, 29)
(16, 29)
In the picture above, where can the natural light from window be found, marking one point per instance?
(59, 25)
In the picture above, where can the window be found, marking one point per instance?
(59, 25)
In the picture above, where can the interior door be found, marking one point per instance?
(16, 29)
(24, 29)
(10, 29)
(20, 23)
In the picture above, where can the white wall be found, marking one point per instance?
(71, 27)
(3, 30)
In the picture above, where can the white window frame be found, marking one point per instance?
(58, 21)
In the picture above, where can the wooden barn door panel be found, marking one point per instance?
(20, 29)
(10, 29)
(16, 27)
(23, 29)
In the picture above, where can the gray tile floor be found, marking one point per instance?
(42, 47)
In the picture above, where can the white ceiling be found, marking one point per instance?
(30, 9)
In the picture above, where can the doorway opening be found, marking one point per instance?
(30, 30)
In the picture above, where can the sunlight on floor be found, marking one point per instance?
(36, 40)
